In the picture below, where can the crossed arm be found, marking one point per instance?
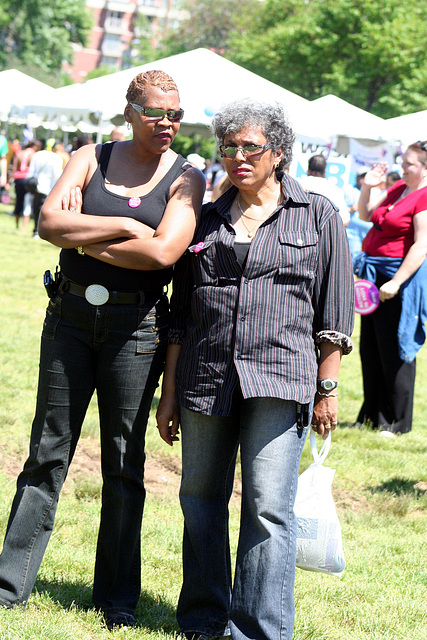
(121, 241)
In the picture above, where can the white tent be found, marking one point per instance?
(206, 81)
(16, 88)
(409, 128)
(336, 118)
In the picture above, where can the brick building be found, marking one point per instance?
(109, 43)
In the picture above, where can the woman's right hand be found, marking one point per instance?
(376, 175)
(167, 417)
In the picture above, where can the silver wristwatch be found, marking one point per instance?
(327, 384)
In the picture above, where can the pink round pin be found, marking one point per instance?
(199, 246)
(366, 297)
(134, 202)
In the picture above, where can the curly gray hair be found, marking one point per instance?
(271, 118)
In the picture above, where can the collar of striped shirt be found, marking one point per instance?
(291, 188)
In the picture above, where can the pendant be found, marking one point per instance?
(250, 234)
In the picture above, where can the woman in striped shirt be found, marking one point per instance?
(262, 312)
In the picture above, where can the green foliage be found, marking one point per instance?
(187, 144)
(98, 72)
(209, 24)
(41, 33)
(144, 49)
(365, 51)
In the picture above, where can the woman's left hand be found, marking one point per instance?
(388, 290)
(73, 202)
(325, 413)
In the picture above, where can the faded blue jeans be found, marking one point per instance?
(260, 605)
(117, 350)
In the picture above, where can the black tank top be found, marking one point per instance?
(97, 200)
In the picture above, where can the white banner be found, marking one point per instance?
(337, 168)
(363, 156)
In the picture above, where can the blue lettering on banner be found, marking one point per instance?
(335, 172)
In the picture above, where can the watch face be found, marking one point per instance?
(327, 384)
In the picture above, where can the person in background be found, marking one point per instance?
(4, 148)
(356, 229)
(80, 141)
(391, 178)
(316, 181)
(58, 148)
(117, 135)
(106, 330)
(263, 309)
(197, 161)
(393, 257)
(20, 168)
(14, 149)
(46, 166)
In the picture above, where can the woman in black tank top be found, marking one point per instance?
(122, 215)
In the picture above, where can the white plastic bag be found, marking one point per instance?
(319, 536)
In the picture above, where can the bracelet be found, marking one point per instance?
(80, 251)
(327, 395)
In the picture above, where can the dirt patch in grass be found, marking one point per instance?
(162, 474)
(356, 502)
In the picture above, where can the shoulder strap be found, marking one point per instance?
(104, 158)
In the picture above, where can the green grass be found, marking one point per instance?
(380, 489)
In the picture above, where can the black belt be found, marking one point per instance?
(98, 295)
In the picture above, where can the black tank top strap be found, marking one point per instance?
(104, 158)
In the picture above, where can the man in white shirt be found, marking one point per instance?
(316, 182)
(46, 166)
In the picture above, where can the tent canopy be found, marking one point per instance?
(336, 118)
(409, 128)
(16, 88)
(206, 81)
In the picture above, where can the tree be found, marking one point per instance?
(41, 33)
(209, 25)
(368, 52)
(145, 47)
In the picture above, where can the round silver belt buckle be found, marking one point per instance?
(96, 294)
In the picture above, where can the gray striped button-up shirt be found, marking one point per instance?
(259, 326)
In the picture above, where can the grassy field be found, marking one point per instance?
(380, 489)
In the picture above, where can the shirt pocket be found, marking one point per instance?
(202, 257)
(298, 253)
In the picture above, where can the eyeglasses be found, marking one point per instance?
(173, 115)
(247, 151)
(423, 145)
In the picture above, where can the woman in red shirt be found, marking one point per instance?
(396, 248)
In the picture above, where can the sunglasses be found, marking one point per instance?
(247, 151)
(173, 115)
(423, 145)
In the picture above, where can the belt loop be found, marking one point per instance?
(65, 284)
(141, 298)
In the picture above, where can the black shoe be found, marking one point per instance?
(119, 620)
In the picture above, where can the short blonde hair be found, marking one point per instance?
(138, 86)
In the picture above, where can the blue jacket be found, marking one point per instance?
(411, 332)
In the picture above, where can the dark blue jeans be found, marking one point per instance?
(260, 604)
(117, 350)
